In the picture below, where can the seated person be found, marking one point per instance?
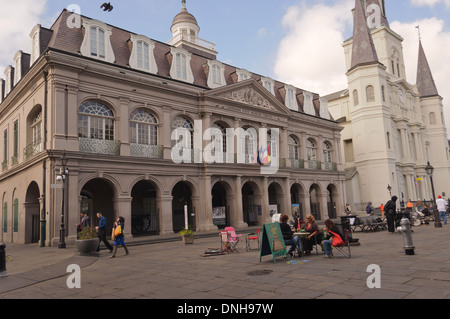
(314, 233)
(288, 237)
(327, 242)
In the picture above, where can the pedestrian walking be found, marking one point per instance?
(119, 236)
(390, 211)
(101, 232)
(441, 203)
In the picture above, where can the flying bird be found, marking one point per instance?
(107, 7)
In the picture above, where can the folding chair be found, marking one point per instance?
(253, 237)
(233, 239)
(345, 248)
(224, 246)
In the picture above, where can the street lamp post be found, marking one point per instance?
(437, 220)
(429, 169)
(63, 176)
(389, 188)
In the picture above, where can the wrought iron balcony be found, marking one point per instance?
(329, 166)
(315, 165)
(32, 149)
(95, 146)
(147, 151)
(297, 163)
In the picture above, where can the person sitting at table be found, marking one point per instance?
(327, 241)
(314, 233)
(288, 236)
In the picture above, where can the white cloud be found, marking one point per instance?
(17, 19)
(430, 3)
(310, 56)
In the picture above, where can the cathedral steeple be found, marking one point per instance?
(375, 11)
(363, 51)
(425, 82)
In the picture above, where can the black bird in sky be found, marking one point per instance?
(107, 7)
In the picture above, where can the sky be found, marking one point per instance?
(298, 42)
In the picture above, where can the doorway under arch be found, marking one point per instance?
(32, 214)
(181, 201)
(97, 195)
(144, 209)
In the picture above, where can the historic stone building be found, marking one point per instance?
(106, 104)
(392, 128)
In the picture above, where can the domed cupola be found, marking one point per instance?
(185, 31)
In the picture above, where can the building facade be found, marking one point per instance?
(106, 104)
(392, 128)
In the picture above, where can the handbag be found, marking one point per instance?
(118, 231)
(337, 240)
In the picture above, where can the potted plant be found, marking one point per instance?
(87, 241)
(187, 235)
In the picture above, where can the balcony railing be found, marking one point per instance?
(95, 146)
(32, 150)
(297, 163)
(317, 165)
(4, 166)
(329, 166)
(147, 151)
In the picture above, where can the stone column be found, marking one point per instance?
(238, 211)
(165, 214)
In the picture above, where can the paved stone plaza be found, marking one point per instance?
(170, 270)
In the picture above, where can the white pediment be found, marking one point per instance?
(249, 92)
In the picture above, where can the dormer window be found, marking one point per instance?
(96, 42)
(9, 80)
(269, 85)
(216, 76)
(243, 75)
(181, 65)
(291, 98)
(35, 43)
(2, 90)
(18, 67)
(142, 57)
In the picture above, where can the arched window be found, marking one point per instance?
(248, 146)
(95, 121)
(327, 152)
(36, 128)
(311, 151)
(370, 93)
(223, 131)
(293, 147)
(355, 98)
(181, 122)
(432, 118)
(143, 128)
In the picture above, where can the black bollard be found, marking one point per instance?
(3, 260)
(437, 219)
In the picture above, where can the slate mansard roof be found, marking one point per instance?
(67, 39)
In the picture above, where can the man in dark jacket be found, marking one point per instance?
(390, 211)
(101, 229)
